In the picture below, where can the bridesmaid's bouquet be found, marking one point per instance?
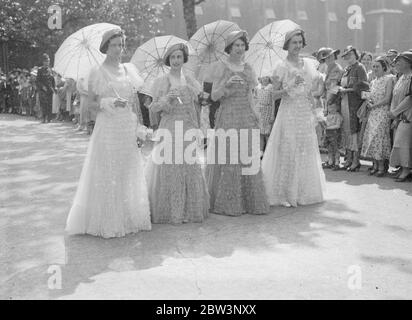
(143, 134)
(291, 85)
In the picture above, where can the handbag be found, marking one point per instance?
(362, 113)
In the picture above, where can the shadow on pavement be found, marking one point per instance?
(362, 178)
(219, 237)
(43, 164)
(403, 265)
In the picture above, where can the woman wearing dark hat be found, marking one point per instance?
(401, 108)
(177, 188)
(376, 140)
(291, 165)
(111, 199)
(354, 81)
(334, 71)
(231, 192)
(45, 86)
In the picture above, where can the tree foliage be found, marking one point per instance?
(190, 16)
(24, 23)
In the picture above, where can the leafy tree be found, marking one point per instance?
(190, 16)
(24, 24)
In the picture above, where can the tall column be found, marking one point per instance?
(356, 32)
(262, 12)
(286, 9)
(381, 26)
(327, 22)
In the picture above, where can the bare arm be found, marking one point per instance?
(218, 93)
(220, 89)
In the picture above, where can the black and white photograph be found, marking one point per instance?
(206, 150)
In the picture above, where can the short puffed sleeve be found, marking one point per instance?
(279, 75)
(97, 84)
(134, 76)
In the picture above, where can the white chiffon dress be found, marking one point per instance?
(112, 198)
(292, 170)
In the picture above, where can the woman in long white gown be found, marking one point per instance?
(291, 165)
(112, 199)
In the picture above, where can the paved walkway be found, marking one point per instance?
(356, 245)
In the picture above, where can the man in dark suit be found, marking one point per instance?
(45, 85)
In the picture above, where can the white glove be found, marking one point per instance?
(107, 104)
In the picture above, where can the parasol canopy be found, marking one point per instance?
(80, 52)
(148, 58)
(266, 47)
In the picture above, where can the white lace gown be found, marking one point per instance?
(292, 170)
(112, 198)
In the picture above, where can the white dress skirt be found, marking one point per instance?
(292, 170)
(112, 198)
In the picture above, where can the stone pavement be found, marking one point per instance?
(356, 245)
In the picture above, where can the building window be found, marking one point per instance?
(302, 15)
(235, 12)
(270, 14)
(198, 10)
(332, 17)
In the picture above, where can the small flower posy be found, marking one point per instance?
(143, 134)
